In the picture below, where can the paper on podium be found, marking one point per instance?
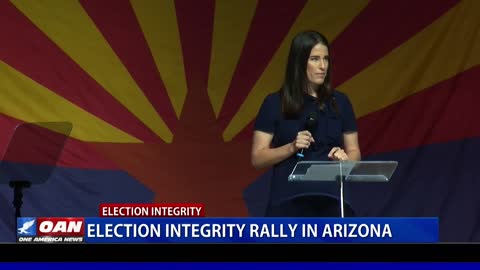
(320, 170)
(328, 172)
(372, 171)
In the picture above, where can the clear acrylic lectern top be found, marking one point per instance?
(361, 171)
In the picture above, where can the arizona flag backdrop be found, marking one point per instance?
(162, 95)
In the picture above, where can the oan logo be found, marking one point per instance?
(60, 226)
(26, 226)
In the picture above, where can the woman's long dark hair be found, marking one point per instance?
(296, 81)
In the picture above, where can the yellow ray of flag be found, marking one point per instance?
(68, 25)
(24, 99)
(227, 45)
(329, 18)
(448, 46)
(158, 21)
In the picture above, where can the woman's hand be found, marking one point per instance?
(337, 153)
(302, 141)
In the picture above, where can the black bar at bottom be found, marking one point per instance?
(239, 252)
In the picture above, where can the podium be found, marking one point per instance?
(31, 156)
(343, 171)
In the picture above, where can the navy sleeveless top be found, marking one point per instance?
(328, 134)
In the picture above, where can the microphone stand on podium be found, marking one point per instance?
(343, 171)
(18, 187)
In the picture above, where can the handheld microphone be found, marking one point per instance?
(310, 125)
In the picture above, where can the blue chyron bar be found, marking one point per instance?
(261, 230)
